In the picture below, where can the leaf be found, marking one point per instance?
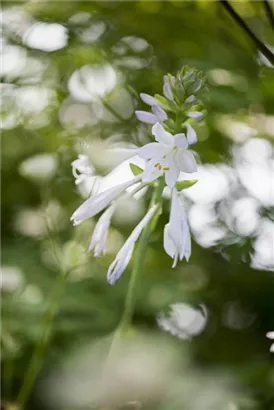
(135, 169)
(185, 184)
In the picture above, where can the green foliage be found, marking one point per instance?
(49, 108)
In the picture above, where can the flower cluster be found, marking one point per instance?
(165, 158)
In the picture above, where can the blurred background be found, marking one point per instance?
(71, 75)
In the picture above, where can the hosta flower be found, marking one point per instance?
(270, 335)
(177, 240)
(124, 255)
(168, 156)
(97, 203)
(81, 169)
(98, 242)
(157, 115)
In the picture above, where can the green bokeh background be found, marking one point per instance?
(197, 33)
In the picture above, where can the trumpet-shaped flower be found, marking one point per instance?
(124, 255)
(81, 169)
(98, 242)
(270, 335)
(97, 203)
(177, 240)
(168, 156)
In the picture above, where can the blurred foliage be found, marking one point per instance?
(45, 111)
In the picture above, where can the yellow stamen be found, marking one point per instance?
(166, 169)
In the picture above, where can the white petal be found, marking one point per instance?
(148, 99)
(191, 135)
(151, 172)
(124, 255)
(270, 335)
(151, 150)
(146, 117)
(161, 135)
(99, 237)
(169, 246)
(180, 141)
(272, 348)
(160, 113)
(197, 115)
(172, 175)
(186, 161)
(186, 242)
(97, 203)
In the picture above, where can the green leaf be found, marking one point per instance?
(135, 169)
(185, 184)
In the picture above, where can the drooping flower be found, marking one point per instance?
(168, 156)
(177, 240)
(97, 203)
(81, 169)
(124, 255)
(270, 335)
(98, 242)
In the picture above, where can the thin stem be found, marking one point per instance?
(269, 12)
(140, 256)
(263, 49)
(36, 360)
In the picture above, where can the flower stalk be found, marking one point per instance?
(138, 263)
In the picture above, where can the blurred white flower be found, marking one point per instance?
(270, 335)
(184, 321)
(40, 167)
(11, 278)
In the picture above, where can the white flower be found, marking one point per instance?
(81, 169)
(124, 255)
(157, 115)
(184, 321)
(168, 156)
(97, 203)
(177, 240)
(98, 241)
(270, 335)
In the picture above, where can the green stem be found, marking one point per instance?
(140, 256)
(259, 44)
(36, 360)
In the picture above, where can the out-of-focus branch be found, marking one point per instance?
(261, 47)
(269, 12)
